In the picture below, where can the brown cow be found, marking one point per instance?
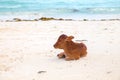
(72, 50)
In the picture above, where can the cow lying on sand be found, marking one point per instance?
(72, 50)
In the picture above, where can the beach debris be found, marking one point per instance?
(46, 19)
(51, 18)
(105, 28)
(85, 19)
(68, 19)
(36, 19)
(81, 40)
(17, 19)
(103, 19)
(109, 72)
(39, 72)
(60, 19)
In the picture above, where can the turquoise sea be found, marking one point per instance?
(74, 9)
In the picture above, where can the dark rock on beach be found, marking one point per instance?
(17, 19)
(39, 72)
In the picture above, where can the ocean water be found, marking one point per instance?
(74, 9)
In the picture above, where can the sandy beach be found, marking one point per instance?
(27, 52)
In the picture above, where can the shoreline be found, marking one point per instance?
(57, 19)
(32, 16)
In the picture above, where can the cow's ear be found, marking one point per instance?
(69, 38)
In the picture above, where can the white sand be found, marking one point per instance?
(27, 53)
